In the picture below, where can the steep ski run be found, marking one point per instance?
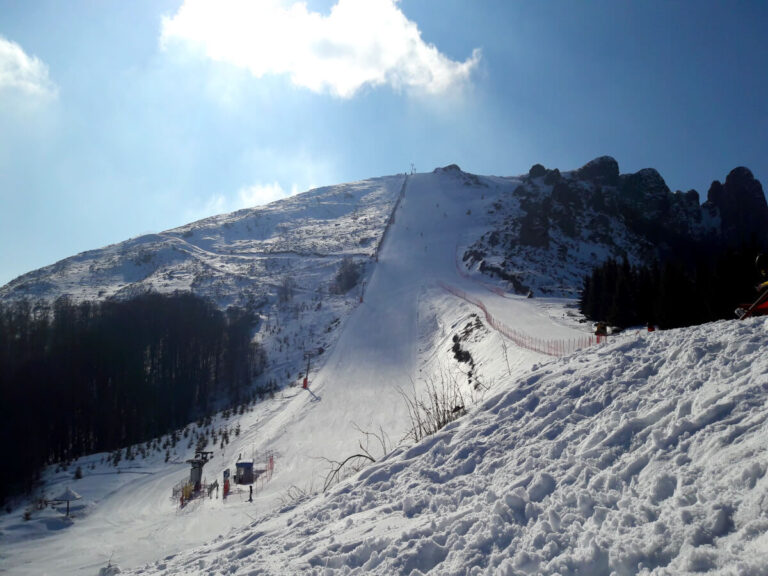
(377, 355)
(398, 338)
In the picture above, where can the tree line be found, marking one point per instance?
(82, 378)
(672, 293)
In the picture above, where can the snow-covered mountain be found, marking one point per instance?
(544, 231)
(643, 455)
(555, 226)
(233, 258)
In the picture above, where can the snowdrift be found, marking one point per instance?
(647, 455)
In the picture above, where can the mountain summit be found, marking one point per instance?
(556, 226)
(544, 230)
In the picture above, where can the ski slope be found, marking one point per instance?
(395, 340)
(629, 457)
(378, 353)
(383, 346)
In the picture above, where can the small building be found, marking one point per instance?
(244, 472)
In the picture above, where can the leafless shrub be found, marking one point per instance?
(294, 496)
(340, 469)
(441, 403)
(347, 276)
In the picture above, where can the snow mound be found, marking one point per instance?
(647, 455)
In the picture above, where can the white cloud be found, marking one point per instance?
(247, 197)
(361, 42)
(260, 194)
(23, 74)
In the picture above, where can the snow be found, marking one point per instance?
(644, 455)
(232, 258)
(68, 494)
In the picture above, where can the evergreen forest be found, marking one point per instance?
(90, 377)
(673, 293)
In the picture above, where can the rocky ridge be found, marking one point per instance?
(557, 225)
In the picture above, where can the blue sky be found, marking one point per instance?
(121, 118)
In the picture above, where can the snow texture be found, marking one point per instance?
(643, 456)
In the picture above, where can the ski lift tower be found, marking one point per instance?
(308, 355)
(196, 472)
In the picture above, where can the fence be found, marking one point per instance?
(546, 346)
(391, 219)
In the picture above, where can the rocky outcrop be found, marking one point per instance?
(534, 225)
(603, 170)
(646, 193)
(537, 171)
(453, 171)
(450, 169)
(740, 203)
(556, 223)
(549, 176)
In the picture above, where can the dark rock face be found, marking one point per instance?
(552, 177)
(686, 209)
(646, 193)
(534, 226)
(602, 170)
(565, 193)
(742, 208)
(578, 216)
(691, 198)
(537, 171)
(451, 168)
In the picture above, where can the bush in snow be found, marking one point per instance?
(442, 403)
(347, 276)
(286, 289)
(340, 469)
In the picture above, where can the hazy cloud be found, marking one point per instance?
(260, 194)
(22, 73)
(359, 43)
(247, 197)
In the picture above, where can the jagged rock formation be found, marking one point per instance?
(602, 170)
(556, 225)
(741, 207)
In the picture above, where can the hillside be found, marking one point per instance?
(557, 225)
(646, 450)
(647, 455)
(234, 259)
(542, 231)
(401, 333)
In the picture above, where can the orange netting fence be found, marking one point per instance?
(557, 347)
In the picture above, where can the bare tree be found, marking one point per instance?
(340, 469)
